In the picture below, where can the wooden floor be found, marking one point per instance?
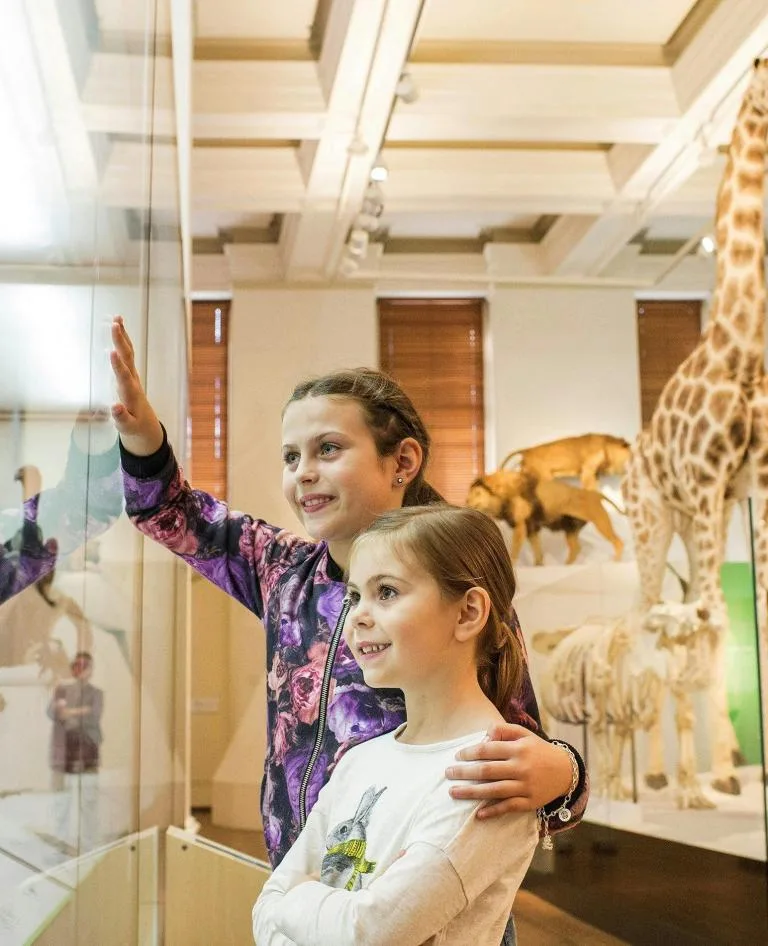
(538, 922)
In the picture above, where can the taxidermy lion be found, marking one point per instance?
(588, 457)
(529, 505)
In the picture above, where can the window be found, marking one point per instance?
(208, 397)
(667, 332)
(434, 349)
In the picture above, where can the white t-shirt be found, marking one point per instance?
(345, 882)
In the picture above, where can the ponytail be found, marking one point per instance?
(420, 493)
(499, 664)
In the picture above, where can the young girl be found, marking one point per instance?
(387, 856)
(353, 448)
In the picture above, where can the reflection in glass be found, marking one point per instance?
(86, 630)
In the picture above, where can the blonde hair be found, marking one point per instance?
(461, 549)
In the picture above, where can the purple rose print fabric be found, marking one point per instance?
(51, 524)
(297, 591)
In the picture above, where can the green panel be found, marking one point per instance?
(741, 656)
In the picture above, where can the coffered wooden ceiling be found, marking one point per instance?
(551, 140)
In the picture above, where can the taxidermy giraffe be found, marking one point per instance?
(687, 467)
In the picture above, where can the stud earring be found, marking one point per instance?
(399, 481)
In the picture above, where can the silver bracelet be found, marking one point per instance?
(563, 812)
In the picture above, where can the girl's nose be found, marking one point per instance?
(305, 472)
(360, 616)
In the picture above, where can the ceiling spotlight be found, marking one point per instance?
(707, 245)
(379, 171)
(367, 222)
(373, 199)
(348, 266)
(406, 89)
(357, 145)
(357, 244)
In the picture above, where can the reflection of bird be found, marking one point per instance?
(31, 480)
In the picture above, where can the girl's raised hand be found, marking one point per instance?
(136, 422)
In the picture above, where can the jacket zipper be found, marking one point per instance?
(322, 712)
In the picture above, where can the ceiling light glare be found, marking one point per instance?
(707, 245)
(379, 171)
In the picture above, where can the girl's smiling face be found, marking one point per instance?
(400, 628)
(333, 476)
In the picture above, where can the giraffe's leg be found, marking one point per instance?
(709, 543)
(684, 526)
(651, 522)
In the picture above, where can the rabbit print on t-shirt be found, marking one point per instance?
(345, 863)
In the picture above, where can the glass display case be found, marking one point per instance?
(92, 620)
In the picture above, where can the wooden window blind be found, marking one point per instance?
(434, 349)
(208, 396)
(667, 332)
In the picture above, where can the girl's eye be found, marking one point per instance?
(290, 458)
(352, 597)
(328, 449)
(386, 592)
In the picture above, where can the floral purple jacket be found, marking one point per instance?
(318, 705)
(86, 502)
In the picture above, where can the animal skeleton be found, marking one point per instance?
(612, 674)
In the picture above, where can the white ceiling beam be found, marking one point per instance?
(704, 76)
(515, 265)
(118, 18)
(58, 71)
(210, 273)
(249, 180)
(510, 180)
(258, 100)
(114, 97)
(364, 49)
(603, 103)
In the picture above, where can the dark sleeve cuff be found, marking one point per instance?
(146, 467)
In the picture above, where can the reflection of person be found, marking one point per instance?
(85, 503)
(76, 709)
(354, 447)
(386, 855)
(27, 624)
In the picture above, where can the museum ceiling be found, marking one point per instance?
(526, 141)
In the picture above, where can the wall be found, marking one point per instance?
(277, 338)
(564, 362)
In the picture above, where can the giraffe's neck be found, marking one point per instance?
(739, 303)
